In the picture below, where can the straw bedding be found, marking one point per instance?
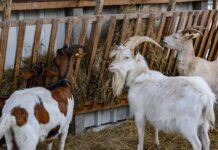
(124, 137)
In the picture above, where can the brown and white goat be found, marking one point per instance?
(189, 65)
(38, 114)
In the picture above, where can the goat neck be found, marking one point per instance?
(185, 58)
(133, 74)
(65, 72)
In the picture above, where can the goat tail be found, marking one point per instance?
(209, 111)
(6, 122)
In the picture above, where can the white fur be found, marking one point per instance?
(189, 65)
(28, 135)
(172, 104)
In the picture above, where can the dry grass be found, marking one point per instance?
(124, 137)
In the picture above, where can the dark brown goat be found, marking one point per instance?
(36, 76)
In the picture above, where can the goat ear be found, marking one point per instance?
(192, 36)
(66, 46)
(50, 73)
(113, 53)
(27, 75)
(136, 51)
(137, 56)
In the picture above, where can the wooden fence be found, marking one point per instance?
(91, 75)
(55, 4)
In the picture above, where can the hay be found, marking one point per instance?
(124, 137)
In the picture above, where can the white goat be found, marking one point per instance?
(177, 104)
(189, 65)
(37, 114)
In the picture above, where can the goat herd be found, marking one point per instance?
(182, 104)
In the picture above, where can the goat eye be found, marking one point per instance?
(126, 57)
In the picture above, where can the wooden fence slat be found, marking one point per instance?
(94, 48)
(196, 17)
(212, 36)
(205, 36)
(203, 21)
(92, 18)
(108, 43)
(36, 43)
(7, 10)
(170, 30)
(214, 47)
(3, 48)
(172, 52)
(148, 32)
(159, 33)
(52, 41)
(19, 49)
(138, 25)
(69, 30)
(82, 38)
(124, 29)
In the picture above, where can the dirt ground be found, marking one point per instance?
(124, 137)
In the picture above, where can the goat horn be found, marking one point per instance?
(189, 30)
(133, 41)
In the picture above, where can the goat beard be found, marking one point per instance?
(118, 82)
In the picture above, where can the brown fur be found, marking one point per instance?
(41, 114)
(52, 133)
(20, 114)
(61, 95)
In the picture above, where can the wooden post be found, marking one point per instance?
(7, 10)
(99, 7)
(171, 5)
(214, 4)
(98, 11)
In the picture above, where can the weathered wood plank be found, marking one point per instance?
(212, 36)
(94, 48)
(84, 3)
(161, 27)
(170, 31)
(214, 47)
(19, 49)
(203, 22)
(196, 17)
(205, 36)
(138, 25)
(69, 30)
(159, 33)
(91, 18)
(148, 31)
(108, 46)
(172, 52)
(52, 41)
(36, 41)
(3, 49)
(7, 10)
(124, 29)
(82, 38)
